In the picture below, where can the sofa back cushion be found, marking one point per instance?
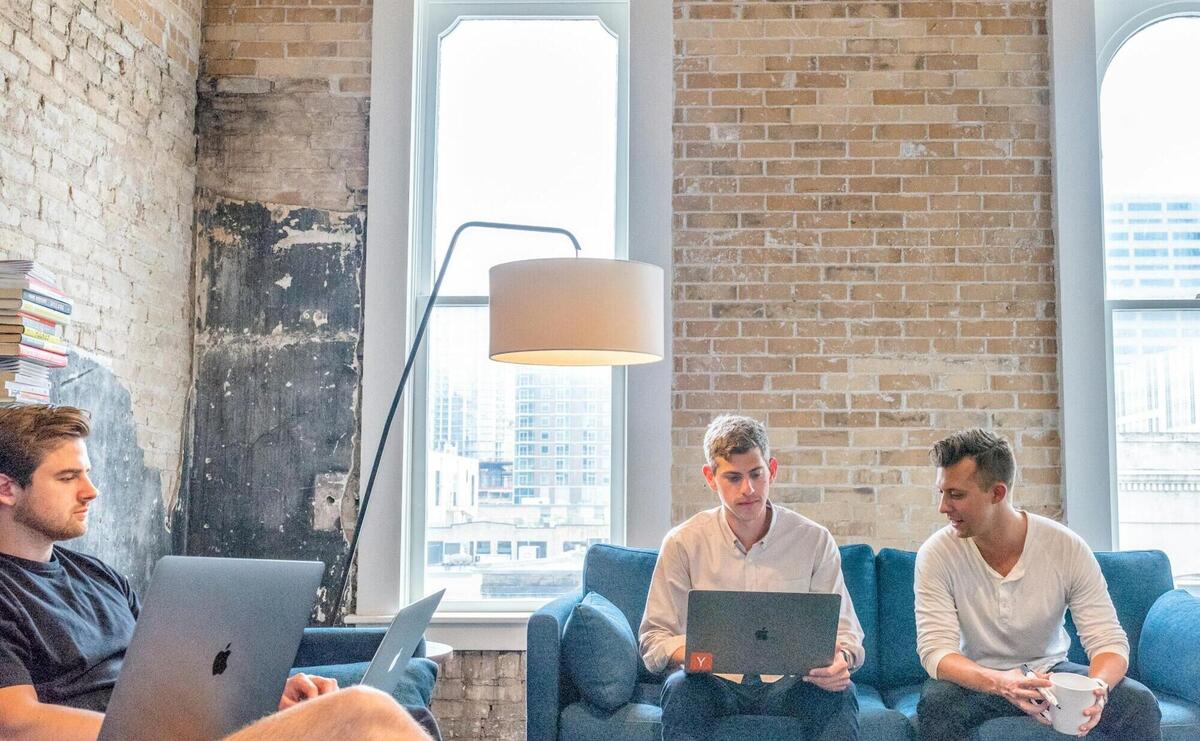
(1135, 580)
(601, 652)
(899, 663)
(858, 571)
(1167, 661)
(622, 576)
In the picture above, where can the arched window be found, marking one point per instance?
(1150, 153)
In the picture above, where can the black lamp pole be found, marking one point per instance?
(412, 356)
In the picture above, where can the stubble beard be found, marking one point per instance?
(25, 515)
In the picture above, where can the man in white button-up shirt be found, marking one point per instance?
(747, 544)
(992, 590)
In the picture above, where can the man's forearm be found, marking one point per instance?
(962, 671)
(45, 722)
(1110, 667)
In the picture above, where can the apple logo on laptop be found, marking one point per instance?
(761, 634)
(221, 661)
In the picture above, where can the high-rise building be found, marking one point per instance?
(1152, 252)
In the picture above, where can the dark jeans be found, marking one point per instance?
(692, 704)
(949, 712)
(426, 719)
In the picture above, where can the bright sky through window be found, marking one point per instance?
(526, 132)
(1150, 113)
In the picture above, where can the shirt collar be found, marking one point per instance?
(732, 539)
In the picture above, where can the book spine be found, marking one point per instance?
(40, 334)
(63, 307)
(44, 313)
(14, 387)
(54, 360)
(57, 348)
(33, 283)
(40, 324)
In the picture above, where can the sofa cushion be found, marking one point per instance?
(1135, 580)
(601, 652)
(633, 721)
(899, 663)
(904, 700)
(858, 571)
(878, 722)
(1180, 718)
(1167, 660)
(622, 576)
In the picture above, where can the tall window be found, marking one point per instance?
(1149, 116)
(522, 111)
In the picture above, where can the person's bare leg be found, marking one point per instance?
(359, 713)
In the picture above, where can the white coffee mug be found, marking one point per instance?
(1074, 694)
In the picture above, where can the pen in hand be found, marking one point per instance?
(1045, 691)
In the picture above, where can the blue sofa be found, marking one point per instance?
(1163, 627)
(344, 653)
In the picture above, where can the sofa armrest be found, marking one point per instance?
(1169, 648)
(321, 646)
(544, 679)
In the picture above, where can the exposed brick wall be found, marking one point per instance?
(325, 40)
(96, 181)
(862, 253)
(481, 695)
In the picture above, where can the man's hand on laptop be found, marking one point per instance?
(832, 678)
(677, 656)
(301, 687)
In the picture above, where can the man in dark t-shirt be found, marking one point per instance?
(66, 618)
(64, 626)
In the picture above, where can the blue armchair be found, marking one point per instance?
(1163, 628)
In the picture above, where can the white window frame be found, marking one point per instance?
(1085, 35)
(383, 555)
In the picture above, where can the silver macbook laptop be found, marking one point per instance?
(399, 643)
(760, 632)
(212, 647)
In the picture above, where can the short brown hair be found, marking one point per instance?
(993, 456)
(28, 432)
(731, 434)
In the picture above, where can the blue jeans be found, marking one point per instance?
(692, 704)
(949, 712)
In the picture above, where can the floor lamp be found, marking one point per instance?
(557, 311)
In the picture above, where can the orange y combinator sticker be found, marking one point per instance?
(700, 661)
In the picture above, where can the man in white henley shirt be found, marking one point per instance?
(747, 544)
(992, 590)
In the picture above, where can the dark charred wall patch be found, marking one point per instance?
(279, 324)
(127, 526)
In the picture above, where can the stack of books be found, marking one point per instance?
(33, 314)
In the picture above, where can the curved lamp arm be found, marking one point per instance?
(408, 364)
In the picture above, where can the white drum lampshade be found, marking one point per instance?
(576, 311)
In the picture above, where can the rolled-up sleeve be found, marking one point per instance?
(1092, 609)
(827, 577)
(664, 623)
(938, 634)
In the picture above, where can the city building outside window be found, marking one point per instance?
(522, 110)
(1151, 157)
